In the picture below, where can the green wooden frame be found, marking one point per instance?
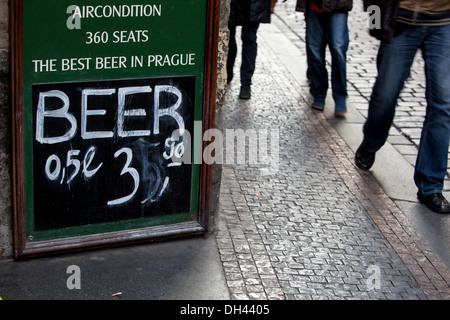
(109, 234)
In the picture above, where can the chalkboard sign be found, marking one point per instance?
(108, 101)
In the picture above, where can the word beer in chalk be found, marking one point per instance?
(122, 93)
(99, 150)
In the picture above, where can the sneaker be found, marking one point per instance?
(245, 92)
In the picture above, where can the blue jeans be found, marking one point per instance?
(331, 29)
(394, 62)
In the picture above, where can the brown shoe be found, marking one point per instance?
(340, 114)
(316, 107)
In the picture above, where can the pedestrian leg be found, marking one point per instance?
(394, 62)
(317, 42)
(232, 52)
(431, 165)
(338, 44)
(249, 52)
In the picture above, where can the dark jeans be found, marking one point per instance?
(394, 62)
(249, 51)
(330, 29)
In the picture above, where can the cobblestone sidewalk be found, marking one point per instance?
(318, 228)
(361, 73)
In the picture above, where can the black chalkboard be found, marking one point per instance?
(102, 150)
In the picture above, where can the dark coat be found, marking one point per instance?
(249, 11)
(388, 12)
(337, 5)
(326, 5)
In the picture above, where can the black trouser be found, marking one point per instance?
(249, 51)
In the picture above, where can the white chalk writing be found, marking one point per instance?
(95, 104)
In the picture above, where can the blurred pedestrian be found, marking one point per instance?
(326, 24)
(248, 14)
(425, 25)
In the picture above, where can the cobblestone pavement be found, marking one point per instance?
(361, 73)
(318, 228)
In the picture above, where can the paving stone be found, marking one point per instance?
(361, 70)
(316, 227)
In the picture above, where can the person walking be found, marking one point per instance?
(424, 25)
(326, 24)
(248, 14)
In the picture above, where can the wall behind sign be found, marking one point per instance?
(5, 136)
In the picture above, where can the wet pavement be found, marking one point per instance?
(297, 220)
(319, 227)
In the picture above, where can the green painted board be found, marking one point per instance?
(105, 85)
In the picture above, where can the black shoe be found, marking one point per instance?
(364, 158)
(435, 202)
(244, 93)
